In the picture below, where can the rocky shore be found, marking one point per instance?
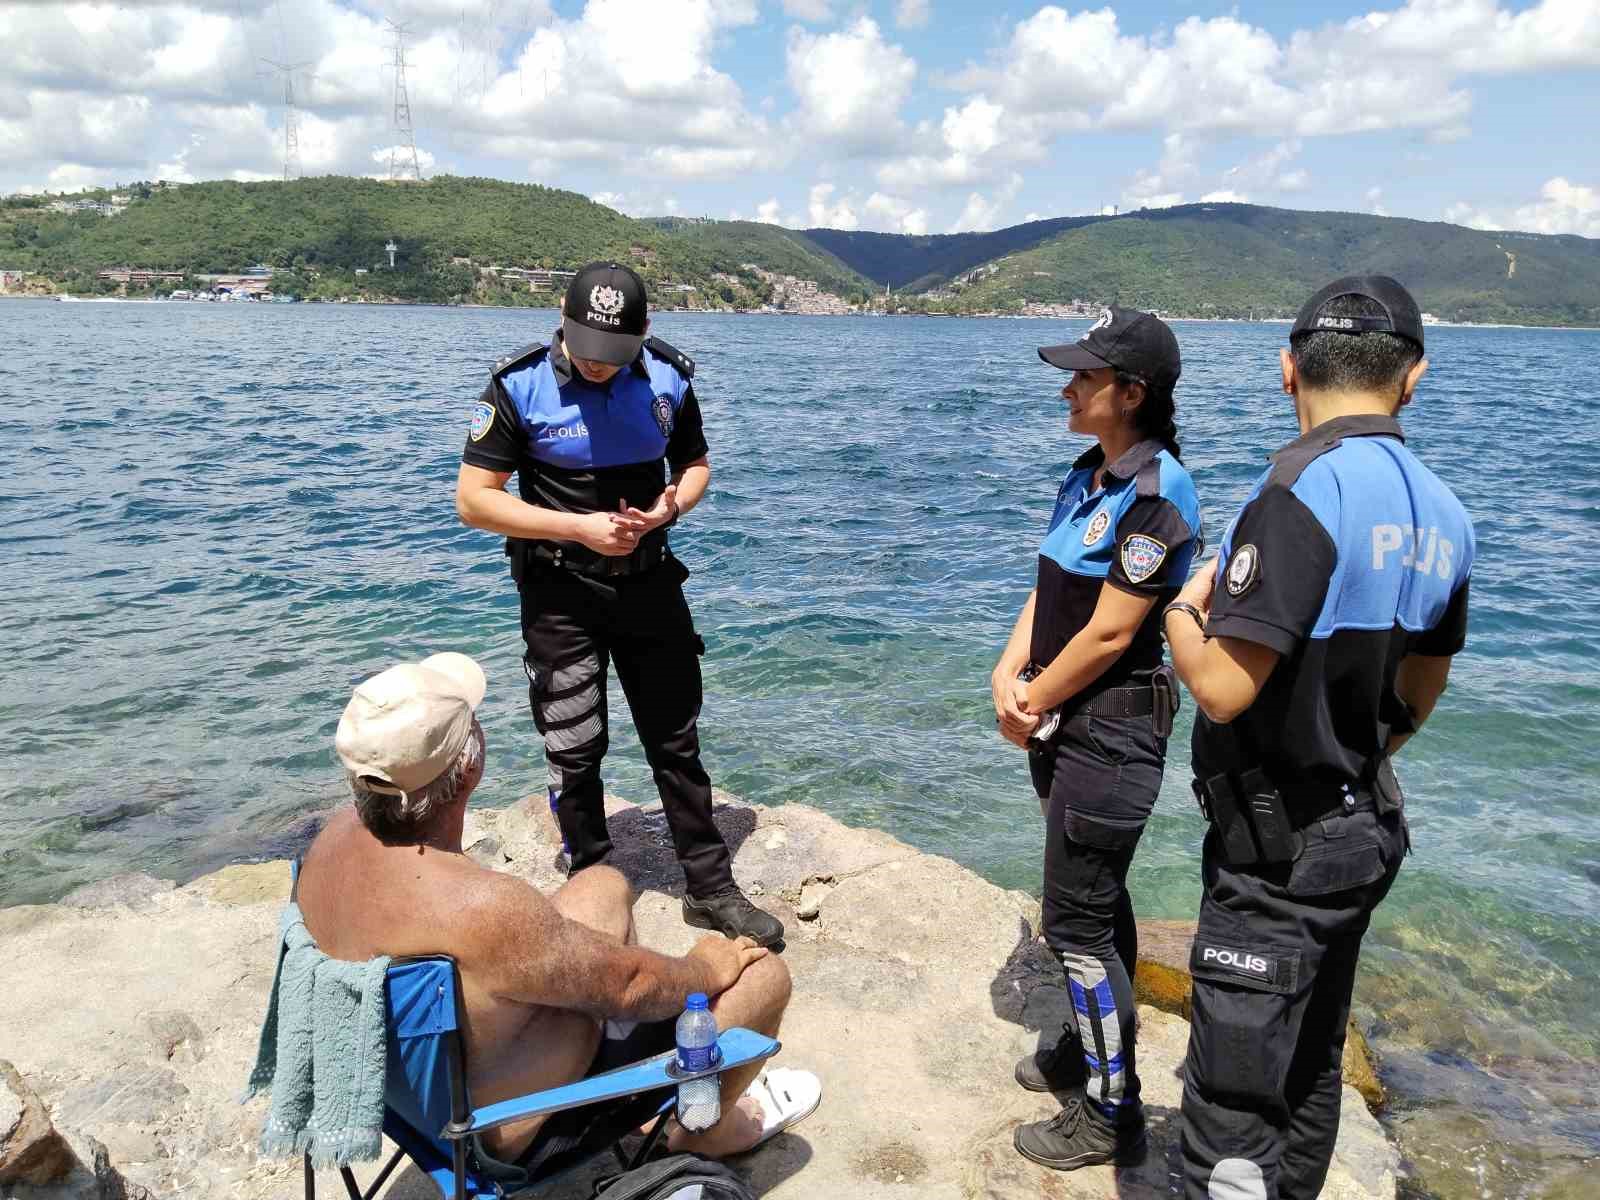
(132, 1010)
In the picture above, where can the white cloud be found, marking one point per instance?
(1562, 207)
(911, 14)
(1266, 171)
(1226, 196)
(809, 10)
(985, 212)
(826, 215)
(1162, 186)
(891, 214)
(850, 85)
(1375, 201)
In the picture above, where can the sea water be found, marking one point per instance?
(216, 519)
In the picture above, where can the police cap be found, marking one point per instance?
(1124, 338)
(1401, 316)
(606, 314)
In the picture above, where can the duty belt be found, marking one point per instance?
(1257, 823)
(1116, 702)
(582, 561)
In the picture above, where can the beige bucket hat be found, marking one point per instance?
(406, 726)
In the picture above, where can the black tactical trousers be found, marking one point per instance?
(1097, 782)
(1274, 962)
(574, 627)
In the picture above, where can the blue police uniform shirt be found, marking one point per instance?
(1139, 532)
(1348, 555)
(582, 447)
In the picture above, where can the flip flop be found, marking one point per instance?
(787, 1096)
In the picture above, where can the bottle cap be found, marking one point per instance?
(697, 1000)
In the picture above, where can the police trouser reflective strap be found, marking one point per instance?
(574, 628)
(1274, 962)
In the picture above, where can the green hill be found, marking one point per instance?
(1227, 260)
(1231, 260)
(337, 224)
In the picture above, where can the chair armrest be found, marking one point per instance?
(738, 1047)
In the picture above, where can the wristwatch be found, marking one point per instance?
(673, 519)
(1182, 606)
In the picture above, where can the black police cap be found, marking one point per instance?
(606, 314)
(1401, 316)
(1126, 339)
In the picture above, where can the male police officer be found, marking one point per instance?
(1315, 648)
(587, 423)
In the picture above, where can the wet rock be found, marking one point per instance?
(31, 1149)
(812, 894)
(134, 890)
(246, 883)
(488, 851)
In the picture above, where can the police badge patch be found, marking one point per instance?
(1142, 557)
(1098, 524)
(482, 420)
(663, 411)
(1244, 570)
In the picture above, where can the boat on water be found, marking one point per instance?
(98, 300)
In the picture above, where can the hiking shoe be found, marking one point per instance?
(730, 913)
(1080, 1136)
(1057, 1068)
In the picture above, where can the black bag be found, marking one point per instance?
(676, 1177)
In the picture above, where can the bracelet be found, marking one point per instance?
(1182, 606)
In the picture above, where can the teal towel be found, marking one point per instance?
(323, 1052)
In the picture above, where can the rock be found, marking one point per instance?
(917, 984)
(812, 894)
(488, 851)
(133, 890)
(246, 883)
(133, 1096)
(168, 1029)
(31, 1149)
(1163, 982)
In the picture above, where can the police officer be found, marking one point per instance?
(592, 424)
(1315, 648)
(1086, 657)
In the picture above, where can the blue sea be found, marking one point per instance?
(215, 519)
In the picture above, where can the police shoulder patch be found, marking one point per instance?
(1244, 570)
(1142, 556)
(482, 420)
(662, 408)
(1098, 524)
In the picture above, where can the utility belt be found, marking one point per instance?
(1157, 700)
(1255, 824)
(580, 560)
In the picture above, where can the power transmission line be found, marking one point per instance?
(405, 146)
(291, 117)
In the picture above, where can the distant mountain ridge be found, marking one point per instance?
(1223, 260)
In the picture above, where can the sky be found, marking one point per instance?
(914, 116)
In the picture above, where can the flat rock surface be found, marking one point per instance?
(917, 984)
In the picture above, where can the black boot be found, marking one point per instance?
(730, 912)
(1080, 1136)
(1057, 1068)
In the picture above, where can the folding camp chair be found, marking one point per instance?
(429, 1116)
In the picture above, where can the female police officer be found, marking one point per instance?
(1087, 648)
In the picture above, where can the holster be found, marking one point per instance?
(1250, 817)
(1164, 700)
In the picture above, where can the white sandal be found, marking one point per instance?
(787, 1096)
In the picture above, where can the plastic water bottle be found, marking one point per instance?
(699, 1100)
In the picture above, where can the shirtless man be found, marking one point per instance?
(542, 978)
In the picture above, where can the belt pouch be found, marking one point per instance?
(1386, 793)
(1268, 817)
(1164, 700)
(1232, 825)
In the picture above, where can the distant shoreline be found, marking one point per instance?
(742, 312)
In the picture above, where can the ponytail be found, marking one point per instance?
(1156, 415)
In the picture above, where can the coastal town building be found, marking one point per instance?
(130, 276)
(793, 295)
(9, 279)
(538, 279)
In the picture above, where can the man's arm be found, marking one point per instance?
(525, 950)
(1223, 674)
(483, 502)
(1419, 682)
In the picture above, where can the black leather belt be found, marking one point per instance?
(580, 560)
(1117, 702)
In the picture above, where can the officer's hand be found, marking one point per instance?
(724, 960)
(659, 513)
(1202, 584)
(612, 534)
(1016, 722)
